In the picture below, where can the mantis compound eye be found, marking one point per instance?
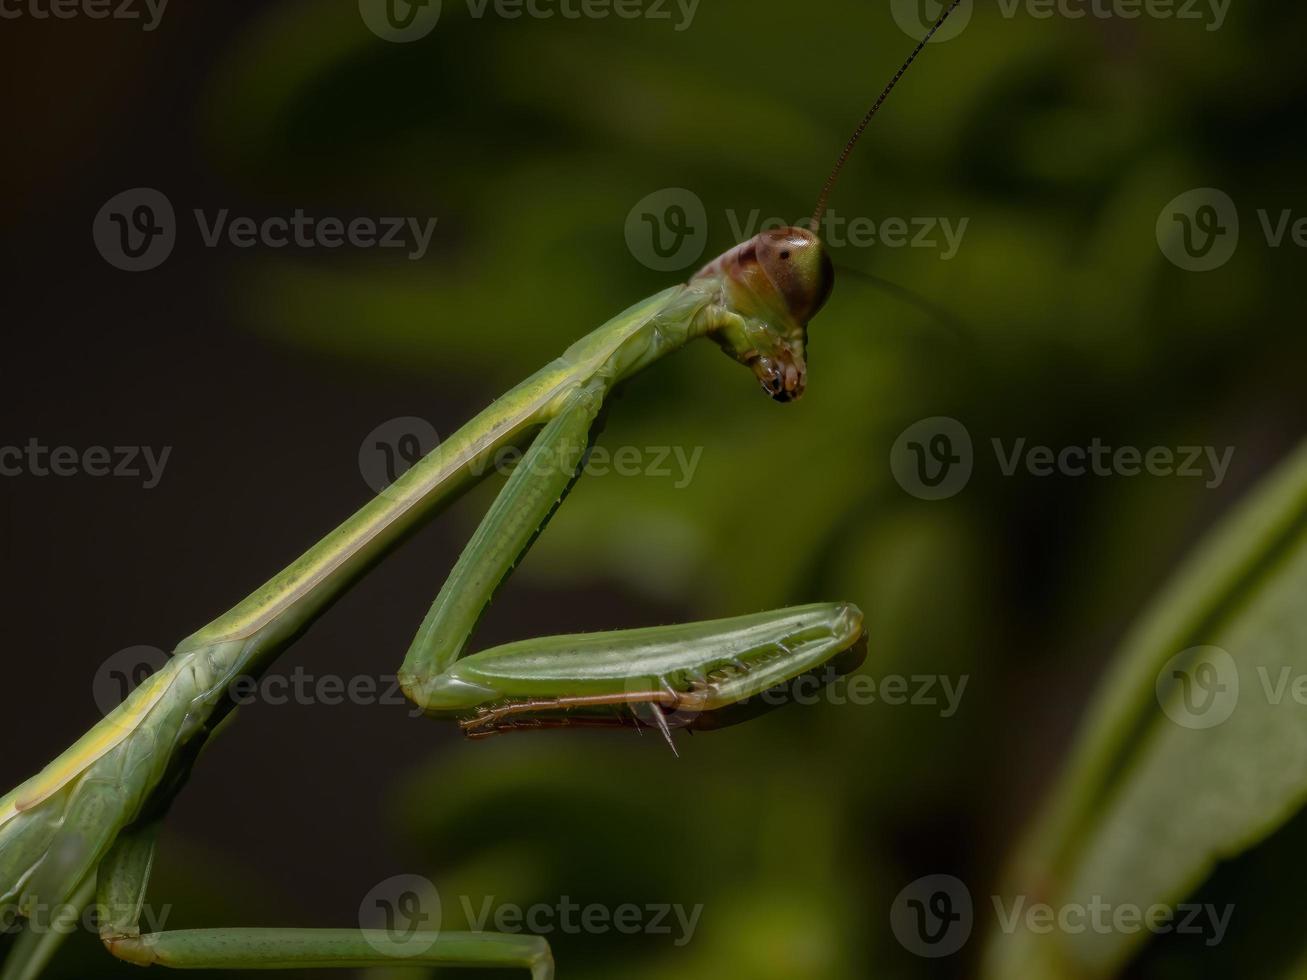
(797, 266)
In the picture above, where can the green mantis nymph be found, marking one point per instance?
(89, 821)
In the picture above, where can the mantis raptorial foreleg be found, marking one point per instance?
(673, 676)
(520, 512)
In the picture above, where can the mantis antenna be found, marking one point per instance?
(820, 211)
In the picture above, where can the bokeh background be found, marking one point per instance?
(1060, 319)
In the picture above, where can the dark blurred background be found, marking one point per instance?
(1061, 317)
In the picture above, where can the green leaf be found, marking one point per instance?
(1190, 755)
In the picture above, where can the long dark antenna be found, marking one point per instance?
(820, 212)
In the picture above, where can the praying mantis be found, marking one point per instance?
(88, 823)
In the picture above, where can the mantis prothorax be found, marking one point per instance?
(89, 820)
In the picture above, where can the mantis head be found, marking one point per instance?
(775, 283)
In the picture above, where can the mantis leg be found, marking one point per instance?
(125, 872)
(698, 675)
(297, 949)
(520, 512)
